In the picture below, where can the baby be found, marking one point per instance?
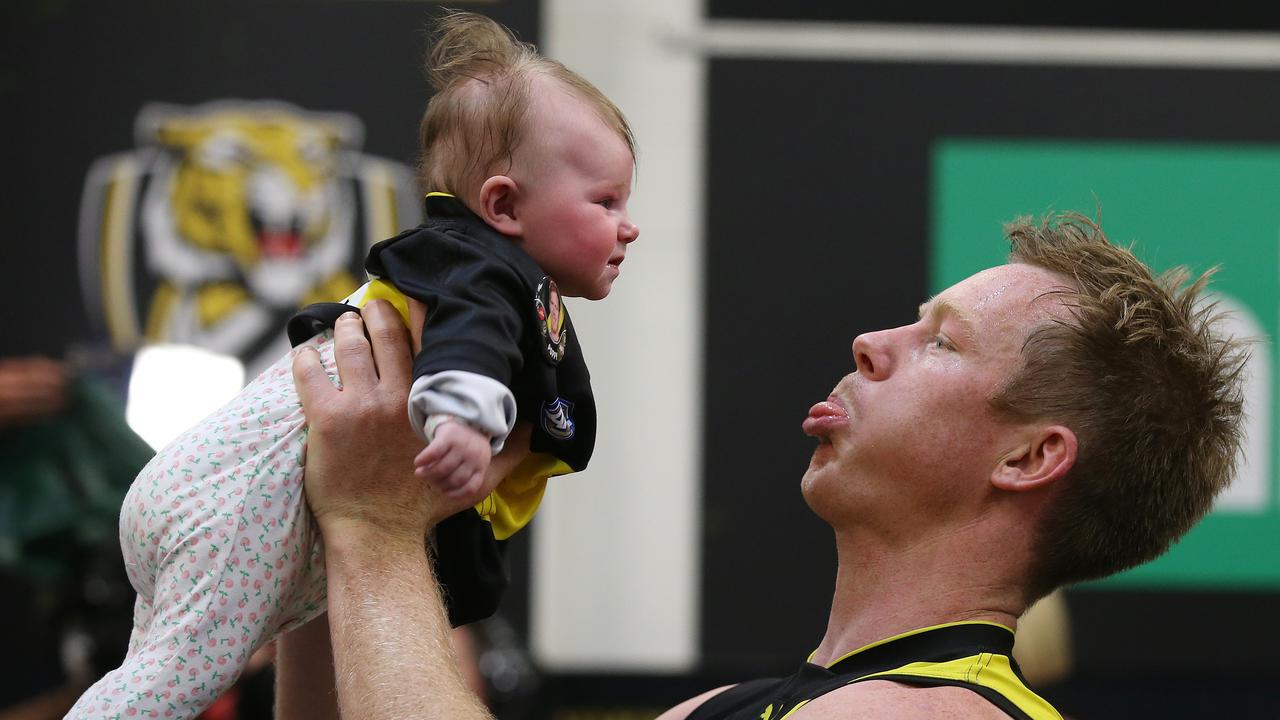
(530, 170)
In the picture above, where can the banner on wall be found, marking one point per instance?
(226, 218)
(1195, 205)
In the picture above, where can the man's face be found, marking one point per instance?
(574, 174)
(911, 434)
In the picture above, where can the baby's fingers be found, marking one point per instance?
(430, 455)
(463, 482)
(443, 469)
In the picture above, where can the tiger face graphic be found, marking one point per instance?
(229, 217)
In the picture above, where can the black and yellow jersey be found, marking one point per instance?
(488, 316)
(494, 313)
(973, 655)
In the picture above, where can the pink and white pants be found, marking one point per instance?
(222, 550)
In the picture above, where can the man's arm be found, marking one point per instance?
(390, 635)
(392, 655)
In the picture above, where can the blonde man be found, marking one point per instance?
(1060, 417)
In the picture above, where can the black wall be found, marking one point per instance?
(74, 73)
(73, 76)
(817, 229)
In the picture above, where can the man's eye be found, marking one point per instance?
(941, 342)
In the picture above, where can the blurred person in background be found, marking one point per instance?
(66, 458)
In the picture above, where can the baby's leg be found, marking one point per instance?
(185, 650)
(219, 545)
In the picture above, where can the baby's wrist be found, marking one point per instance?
(434, 422)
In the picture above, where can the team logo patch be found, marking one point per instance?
(557, 419)
(552, 320)
(227, 218)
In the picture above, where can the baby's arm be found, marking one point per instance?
(456, 457)
(464, 418)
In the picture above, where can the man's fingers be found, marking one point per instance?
(390, 338)
(355, 364)
(310, 379)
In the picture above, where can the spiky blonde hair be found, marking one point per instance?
(1138, 371)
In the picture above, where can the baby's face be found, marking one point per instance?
(574, 174)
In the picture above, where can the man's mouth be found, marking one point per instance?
(824, 415)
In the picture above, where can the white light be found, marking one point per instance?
(1250, 491)
(173, 387)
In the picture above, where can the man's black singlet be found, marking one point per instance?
(973, 655)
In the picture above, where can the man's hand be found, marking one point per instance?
(456, 460)
(391, 652)
(359, 450)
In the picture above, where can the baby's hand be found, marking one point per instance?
(456, 460)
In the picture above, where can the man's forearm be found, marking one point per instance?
(391, 647)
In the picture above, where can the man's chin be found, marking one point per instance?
(810, 481)
(811, 489)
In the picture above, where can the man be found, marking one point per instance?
(1059, 418)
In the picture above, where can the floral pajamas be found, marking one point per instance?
(221, 548)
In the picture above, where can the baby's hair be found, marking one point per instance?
(475, 121)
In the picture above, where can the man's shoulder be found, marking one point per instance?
(878, 699)
(682, 711)
(875, 700)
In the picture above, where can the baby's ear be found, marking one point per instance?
(498, 205)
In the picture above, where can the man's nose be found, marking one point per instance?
(871, 355)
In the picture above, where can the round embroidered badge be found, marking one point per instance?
(552, 323)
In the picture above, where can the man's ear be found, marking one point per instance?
(1043, 458)
(497, 208)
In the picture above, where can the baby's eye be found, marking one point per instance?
(607, 203)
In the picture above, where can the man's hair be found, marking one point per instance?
(1151, 390)
(476, 119)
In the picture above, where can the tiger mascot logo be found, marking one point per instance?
(227, 218)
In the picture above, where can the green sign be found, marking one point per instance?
(1195, 205)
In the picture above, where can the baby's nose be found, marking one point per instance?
(628, 232)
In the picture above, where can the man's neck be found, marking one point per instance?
(884, 591)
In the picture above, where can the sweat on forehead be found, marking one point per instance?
(1006, 290)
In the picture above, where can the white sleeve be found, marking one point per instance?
(481, 401)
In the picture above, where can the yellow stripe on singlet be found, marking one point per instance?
(984, 669)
